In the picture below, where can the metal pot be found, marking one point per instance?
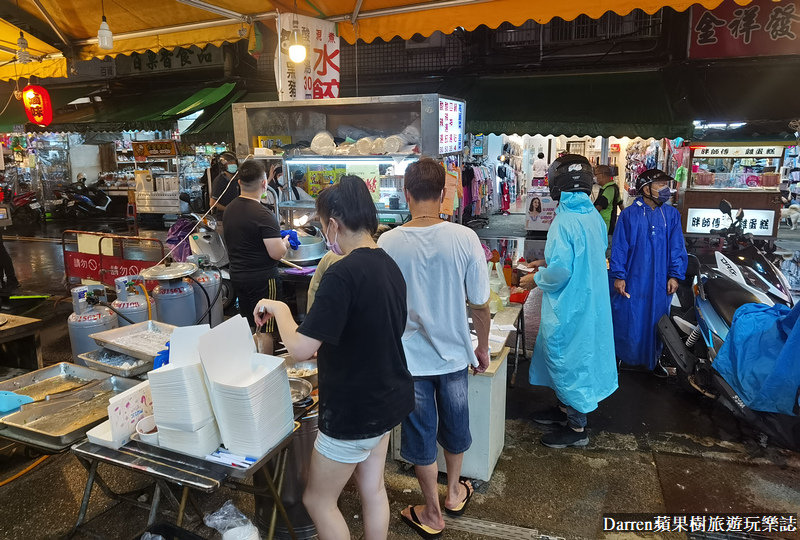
(311, 250)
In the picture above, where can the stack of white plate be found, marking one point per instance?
(195, 443)
(249, 391)
(181, 401)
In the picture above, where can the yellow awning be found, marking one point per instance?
(155, 24)
(47, 60)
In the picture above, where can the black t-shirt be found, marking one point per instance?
(359, 314)
(218, 186)
(246, 223)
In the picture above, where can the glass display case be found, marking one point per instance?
(747, 175)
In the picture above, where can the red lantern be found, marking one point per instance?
(38, 106)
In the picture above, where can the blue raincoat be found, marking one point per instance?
(647, 249)
(574, 352)
(760, 358)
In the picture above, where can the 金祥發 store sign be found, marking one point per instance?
(153, 149)
(761, 28)
(756, 152)
(451, 126)
(318, 76)
(704, 220)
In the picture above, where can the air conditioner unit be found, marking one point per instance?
(425, 44)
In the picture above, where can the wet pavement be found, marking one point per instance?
(654, 448)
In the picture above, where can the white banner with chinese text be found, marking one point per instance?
(318, 76)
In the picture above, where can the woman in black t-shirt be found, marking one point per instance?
(365, 388)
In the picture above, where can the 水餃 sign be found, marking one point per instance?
(318, 76)
(451, 126)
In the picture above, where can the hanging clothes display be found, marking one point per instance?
(478, 187)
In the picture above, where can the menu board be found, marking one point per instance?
(451, 126)
(153, 149)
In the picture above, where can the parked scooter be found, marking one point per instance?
(693, 334)
(205, 240)
(88, 200)
(25, 207)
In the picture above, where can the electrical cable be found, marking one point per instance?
(208, 300)
(216, 297)
(24, 471)
(109, 306)
(185, 238)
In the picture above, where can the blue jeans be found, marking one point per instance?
(441, 402)
(575, 418)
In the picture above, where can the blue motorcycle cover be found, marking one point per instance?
(760, 358)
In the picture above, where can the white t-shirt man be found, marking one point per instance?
(539, 168)
(445, 268)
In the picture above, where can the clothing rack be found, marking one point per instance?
(478, 186)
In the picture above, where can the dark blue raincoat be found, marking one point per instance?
(760, 358)
(647, 249)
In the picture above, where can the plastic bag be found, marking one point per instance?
(231, 523)
(149, 536)
(176, 236)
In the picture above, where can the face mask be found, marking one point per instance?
(232, 168)
(334, 247)
(664, 194)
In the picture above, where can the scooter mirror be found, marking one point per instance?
(740, 215)
(725, 207)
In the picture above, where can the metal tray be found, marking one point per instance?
(93, 360)
(50, 380)
(66, 422)
(105, 339)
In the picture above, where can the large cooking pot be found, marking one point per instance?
(311, 250)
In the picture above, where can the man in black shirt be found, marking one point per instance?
(253, 239)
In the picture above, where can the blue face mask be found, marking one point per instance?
(664, 195)
(232, 168)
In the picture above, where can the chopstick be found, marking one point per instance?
(287, 263)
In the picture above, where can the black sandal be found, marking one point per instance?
(459, 511)
(424, 531)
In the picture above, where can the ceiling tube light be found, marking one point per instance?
(105, 39)
(23, 55)
(297, 51)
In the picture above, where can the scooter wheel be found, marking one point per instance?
(228, 296)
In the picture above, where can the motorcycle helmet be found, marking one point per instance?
(570, 172)
(649, 176)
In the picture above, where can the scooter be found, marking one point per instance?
(696, 329)
(88, 201)
(25, 207)
(205, 240)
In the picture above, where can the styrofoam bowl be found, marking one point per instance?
(143, 426)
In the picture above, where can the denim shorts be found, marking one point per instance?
(441, 401)
(346, 451)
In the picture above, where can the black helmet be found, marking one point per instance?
(570, 172)
(649, 176)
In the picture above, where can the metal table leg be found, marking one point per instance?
(276, 494)
(182, 507)
(87, 493)
(151, 519)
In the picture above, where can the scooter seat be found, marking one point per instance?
(726, 296)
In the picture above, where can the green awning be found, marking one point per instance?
(154, 110)
(618, 104)
(216, 125)
(14, 114)
(200, 100)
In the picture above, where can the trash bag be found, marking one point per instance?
(231, 523)
(176, 236)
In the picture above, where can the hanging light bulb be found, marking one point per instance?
(105, 38)
(23, 56)
(297, 51)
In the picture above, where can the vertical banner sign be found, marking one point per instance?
(761, 28)
(451, 126)
(318, 76)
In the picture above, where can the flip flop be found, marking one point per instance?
(423, 530)
(460, 509)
